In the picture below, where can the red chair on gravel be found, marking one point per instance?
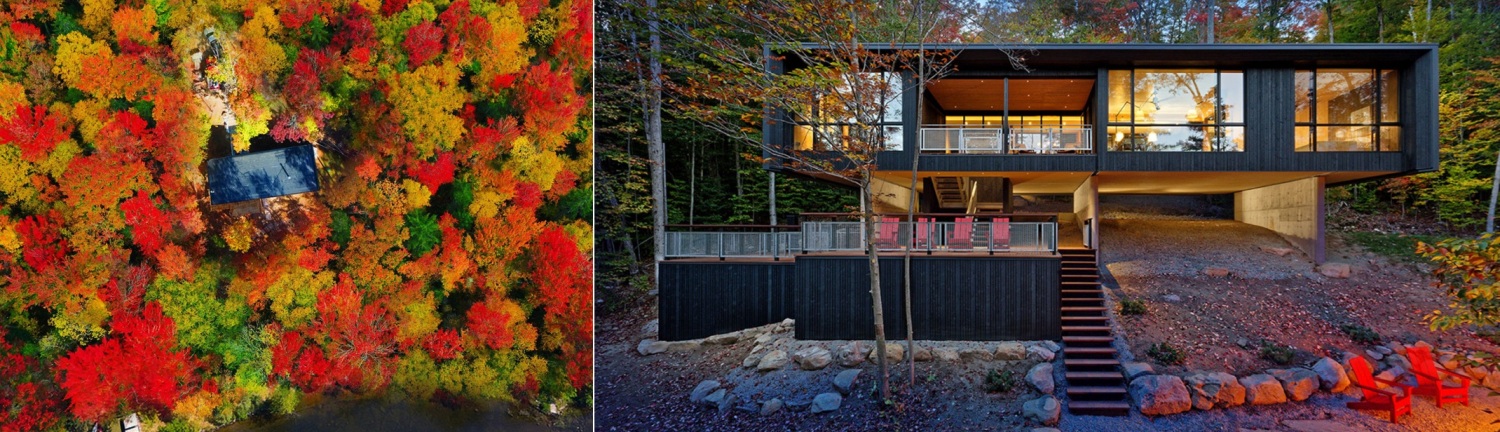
(1398, 402)
(1431, 377)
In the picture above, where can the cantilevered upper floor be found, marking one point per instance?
(1151, 118)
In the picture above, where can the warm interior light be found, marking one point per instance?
(1151, 137)
(1119, 136)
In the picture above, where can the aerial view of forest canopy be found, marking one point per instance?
(444, 255)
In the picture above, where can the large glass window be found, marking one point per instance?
(828, 119)
(1347, 110)
(1176, 110)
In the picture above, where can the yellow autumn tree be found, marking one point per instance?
(417, 195)
(258, 54)
(12, 94)
(531, 163)
(428, 100)
(72, 49)
(96, 14)
(239, 235)
(505, 54)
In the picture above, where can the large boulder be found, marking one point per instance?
(721, 399)
(1045, 410)
(1133, 370)
(1331, 375)
(845, 381)
(851, 354)
(973, 353)
(752, 360)
(1393, 374)
(893, 353)
(772, 361)
(919, 353)
(826, 402)
(1040, 353)
(1216, 272)
(771, 406)
(1335, 270)
(1214, 390)
(1398, 360)
(946, 354)
(1040, 376)
(1010, 351)
(652, 346)
(812, 358)
(1160, 395)
(1491, 381)
(703, 389)
(1051, 345)
(1298, 383)
(723, 339)
(1263, 389)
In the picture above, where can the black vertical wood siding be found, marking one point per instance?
(700, 299)
(969, 298)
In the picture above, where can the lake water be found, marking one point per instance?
(389, 415)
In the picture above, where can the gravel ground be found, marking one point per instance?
(1322, 413)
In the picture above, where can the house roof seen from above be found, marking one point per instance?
(264, 174)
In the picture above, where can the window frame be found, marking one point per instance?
(1377, 124)
(1217, 127)
(895, 81)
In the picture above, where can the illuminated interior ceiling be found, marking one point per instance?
(1140, 182)
(1041, 94)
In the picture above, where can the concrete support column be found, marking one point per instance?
(1086, 210)
(1293, 209)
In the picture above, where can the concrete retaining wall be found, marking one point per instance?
(1293, 209)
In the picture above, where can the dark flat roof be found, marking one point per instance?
(1059, 55)
(265, 174)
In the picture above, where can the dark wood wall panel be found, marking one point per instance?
(952, 298)
(701, 299)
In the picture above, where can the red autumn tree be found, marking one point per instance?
(561, 273)
(433, 174)
(550, 101)
(25, 405)
(359, 338)
(140, 368)
(444, 344)
(42, 246)
(148, 224)
(34, 131)
(423, 42)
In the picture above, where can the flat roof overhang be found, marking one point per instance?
(1143, 182)
(995, 56)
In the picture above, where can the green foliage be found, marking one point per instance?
(178, 425)
(315, 34)
(1401, 247)
(284, 400)
(461, 195)
(1276, 353)
(424, 230)
(1132, 307)
(1166, 354)
(204, 321)
(578, 204)
(1360, 334)
(1468, 271)
(1000, 381)
(340, 224)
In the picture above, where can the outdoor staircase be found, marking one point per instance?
(950, 191)
(1096, 386)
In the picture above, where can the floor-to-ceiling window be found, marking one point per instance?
(1176, 110)
(1348, 110)
(828, 119)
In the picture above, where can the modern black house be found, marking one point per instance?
(1274, 125)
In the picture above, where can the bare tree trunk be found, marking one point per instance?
(693, 185)
(1210, 20)
(1328, 12)
(1489, 223)
(772, 199)
(911, 204)
(656, 150)
(867, 215)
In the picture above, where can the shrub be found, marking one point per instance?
(1166, 354)
(1279, 354)
(1361, 334)
(1000, 381)
(1132, 307)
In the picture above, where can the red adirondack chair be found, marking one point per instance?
(924, 234)
(1000, 235)
(885, 233)
(1398, 402)
(962, 237)
(1430, 378)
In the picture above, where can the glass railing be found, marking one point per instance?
(1016, 140)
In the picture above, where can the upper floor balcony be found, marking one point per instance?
(1044, 140)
